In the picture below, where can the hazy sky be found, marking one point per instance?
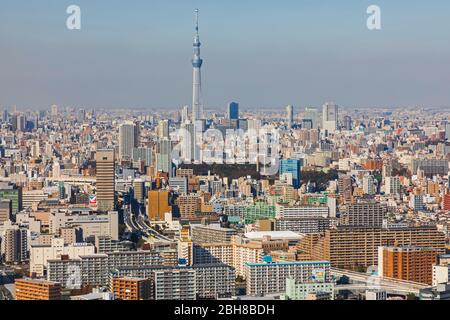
(260, 53)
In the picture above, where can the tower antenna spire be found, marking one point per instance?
(196, 20)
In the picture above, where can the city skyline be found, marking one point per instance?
(139, 56)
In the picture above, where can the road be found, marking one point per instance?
(134, 223)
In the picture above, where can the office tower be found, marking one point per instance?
(197, 108)
(290, 116)
(37, 289)
(105, 180)
(5, 210)
(81, 115)
(345, 187)
(330, 117)
(416, 202)
(348, 124)
(392, 185)
(127, 140)
(143, 154)
(407, 263)
(311, 115)
(138, 190)
(164, 156)
(54, 111)
(5, 116)
(447, 130)
(233, 111)
(179, 184)
(369, 185)
(18, 122)
(364, 214)
(35, 149)
(14, 244)
(163, 129)
(13, 193)
(158, 205)
(61, 190)
(128, 288)
(185, 114)
(294, 167)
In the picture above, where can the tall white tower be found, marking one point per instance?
(330, 117)
(290, 116)
(197, 108)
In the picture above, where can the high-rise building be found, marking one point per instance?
(185, 114)
(127, 140)
(174, 284)
(158, 205)
(212, 233)
(105, 180)
(345, 187)
(292, 166)
(163, 129)
(270, 277)
(143, 154)
(290, 116)
(129, 288)
(197, 108)
(407, 263)
(447, 131)
(357, 247)
(138, 190)
(14, 244)
(348, 123)
(330, 117)
(13, 193)
(233, 111)
(369, 184)
(18, 122)
(364, 214)
(392, 185)
(54, 111)
(311, 115)
(164, 157)
(430, 167)
(189, 205)
(416, 202)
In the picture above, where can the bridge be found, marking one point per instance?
(366, 282)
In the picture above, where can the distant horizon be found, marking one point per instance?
(138, 56)
(297, 109)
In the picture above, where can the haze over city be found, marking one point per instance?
(257, 52)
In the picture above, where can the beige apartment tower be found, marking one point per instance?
(105, 180)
